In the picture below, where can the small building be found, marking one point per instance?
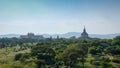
(31, 35)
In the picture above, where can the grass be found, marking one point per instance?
(7, 57)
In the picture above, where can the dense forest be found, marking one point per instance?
(59, 53)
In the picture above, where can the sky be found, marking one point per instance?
(59, 16)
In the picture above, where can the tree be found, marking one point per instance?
(74, 54)
(113, 50)
(45, 54)
(116, 41)
(95, 50)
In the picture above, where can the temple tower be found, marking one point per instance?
(84, 34)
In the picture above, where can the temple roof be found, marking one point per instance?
(84, 34)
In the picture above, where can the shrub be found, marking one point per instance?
(26, 55)
(105, 59)
(94, 62)
(18, 56)
(106, 65)
(116, 60)
(97, 63)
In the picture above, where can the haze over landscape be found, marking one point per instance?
(59, 16)
(59, 34)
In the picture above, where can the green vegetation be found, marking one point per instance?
(59, 53)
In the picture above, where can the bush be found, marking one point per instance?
(18, 56)
(26, 55)
(116, 60)
(106, 65)
(105, 59)
(96, 63)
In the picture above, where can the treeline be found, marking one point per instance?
(73, 53)
(10, 42)
(67, 53)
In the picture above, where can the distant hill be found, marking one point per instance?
(106, 36)
(68, 35)
(78, 34)
(10, 36)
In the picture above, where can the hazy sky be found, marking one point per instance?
(59, 16)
